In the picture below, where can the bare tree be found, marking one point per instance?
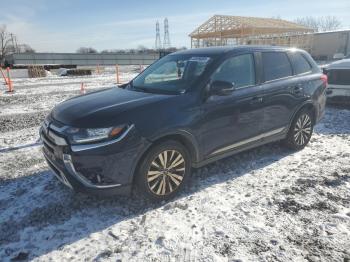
(114, 51)
(141, 49)
(320, 24)
(329, 23)
(308, 21)
(24, 48)
(87, 50)
(5, 40)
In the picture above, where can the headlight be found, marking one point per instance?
(90, 135)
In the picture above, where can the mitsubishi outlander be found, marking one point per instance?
(186, 110)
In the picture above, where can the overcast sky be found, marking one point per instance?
(66, 25)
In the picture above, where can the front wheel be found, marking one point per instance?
(301, 130)
(163, 171)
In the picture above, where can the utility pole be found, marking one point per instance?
(14, 48)
(158, 45)
(166, 42)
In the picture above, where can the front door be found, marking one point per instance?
(232, 121)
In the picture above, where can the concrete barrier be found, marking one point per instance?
(81, 59)
(19, 73)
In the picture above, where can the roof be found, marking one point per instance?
(239, 26)
(218, 50)
(341, 64)
(205, 51)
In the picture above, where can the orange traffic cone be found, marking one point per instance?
(82, 89)
(3, 76)
(9, 82)
(117, 74)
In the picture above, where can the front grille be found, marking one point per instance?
(46, 139)
(339, 76)
(52, 151)
(49, 145)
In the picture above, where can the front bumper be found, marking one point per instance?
(101, 169)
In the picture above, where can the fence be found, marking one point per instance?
(81, 59)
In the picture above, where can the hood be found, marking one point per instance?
(101, 108)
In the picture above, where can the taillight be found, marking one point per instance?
(324, 79)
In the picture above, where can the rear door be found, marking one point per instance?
(282, 92)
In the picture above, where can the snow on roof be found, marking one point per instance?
(344, 63)
(333, 31)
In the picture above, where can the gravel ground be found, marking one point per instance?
(266, 204)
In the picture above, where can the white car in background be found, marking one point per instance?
(338, 81)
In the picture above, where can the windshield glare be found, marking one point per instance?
(172, 74)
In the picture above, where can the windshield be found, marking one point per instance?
(171, 74)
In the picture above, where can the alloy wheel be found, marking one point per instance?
(166, 172)
(302, 130)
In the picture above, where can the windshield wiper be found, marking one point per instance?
(155, 90)
(136, 88)
(143, 89)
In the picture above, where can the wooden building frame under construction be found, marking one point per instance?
(221, 30)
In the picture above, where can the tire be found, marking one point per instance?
(163, 171)
(301, 130)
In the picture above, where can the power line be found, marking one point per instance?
(166, 42)
(158, 42)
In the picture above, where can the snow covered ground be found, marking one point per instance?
(267, 204)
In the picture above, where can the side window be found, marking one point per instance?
(239, 70)
(276, 65)
(300, 64)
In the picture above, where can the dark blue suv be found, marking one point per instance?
(186, 110)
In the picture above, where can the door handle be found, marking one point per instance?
(256, 100)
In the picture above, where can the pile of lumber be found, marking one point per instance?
(79, 72)
(36, 71)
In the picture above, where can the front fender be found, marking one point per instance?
(184, 136)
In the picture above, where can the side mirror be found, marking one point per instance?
(221, 88)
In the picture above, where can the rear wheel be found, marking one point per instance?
(163, 171)
(301, 130)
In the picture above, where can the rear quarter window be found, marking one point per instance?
(300, 64)
(276, 65)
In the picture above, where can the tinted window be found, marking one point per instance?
(276, 65)
(300, 64)
(238, 70)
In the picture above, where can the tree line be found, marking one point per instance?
(139, 50)
(320, 24)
